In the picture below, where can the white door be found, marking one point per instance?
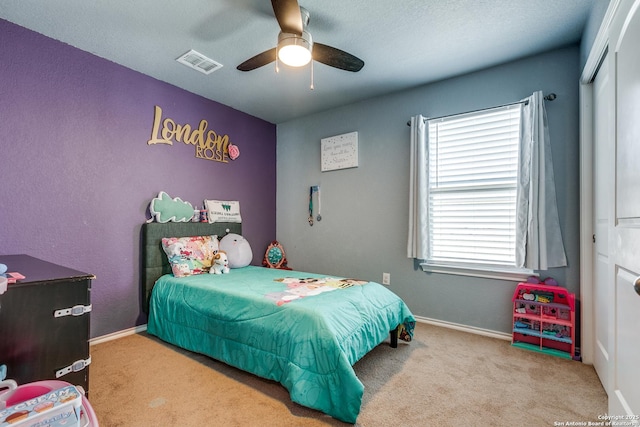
(625, 249)
(603, 201)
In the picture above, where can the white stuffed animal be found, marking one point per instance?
(238, 250)
(220, 263)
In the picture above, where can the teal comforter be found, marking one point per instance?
(308, 342)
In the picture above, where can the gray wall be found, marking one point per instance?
(363, 232)
(598, 11)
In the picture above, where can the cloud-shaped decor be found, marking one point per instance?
(165, 209)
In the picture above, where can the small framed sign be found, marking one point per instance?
(339, 152)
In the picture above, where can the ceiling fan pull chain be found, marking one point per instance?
(311, 75)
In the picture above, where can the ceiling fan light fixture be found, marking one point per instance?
(294, 50)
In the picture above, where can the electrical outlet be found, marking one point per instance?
(386, 279)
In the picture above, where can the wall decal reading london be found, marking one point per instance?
(339, 152)
(208, 144)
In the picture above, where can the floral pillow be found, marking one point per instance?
(190, 255)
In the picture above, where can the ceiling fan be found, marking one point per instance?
(295, 45)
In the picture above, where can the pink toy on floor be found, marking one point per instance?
(31, 398)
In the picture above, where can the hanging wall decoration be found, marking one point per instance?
(208, 144)
(339, 152)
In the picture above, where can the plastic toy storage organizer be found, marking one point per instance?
(544, 319)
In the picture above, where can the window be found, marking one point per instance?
(473, 172)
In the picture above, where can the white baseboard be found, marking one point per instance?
(119, 334)
(465, 328)
(435, 322)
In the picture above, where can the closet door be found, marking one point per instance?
(624, 39)
(603, 201)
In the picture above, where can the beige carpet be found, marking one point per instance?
(443, 378)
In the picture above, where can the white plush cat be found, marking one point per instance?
(238, 250)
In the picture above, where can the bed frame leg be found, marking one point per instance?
(394, 338)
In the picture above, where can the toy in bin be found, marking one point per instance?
(7, 278)
(50, 403)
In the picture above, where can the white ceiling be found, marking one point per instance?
(403, 43)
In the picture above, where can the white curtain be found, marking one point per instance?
(538, 236)
(418, 190)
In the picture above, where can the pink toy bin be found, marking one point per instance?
(25, 398)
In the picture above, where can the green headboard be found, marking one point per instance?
(155, 262)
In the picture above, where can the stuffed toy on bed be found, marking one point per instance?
(238, 250)
(220, 263)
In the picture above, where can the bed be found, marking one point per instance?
(300, 329)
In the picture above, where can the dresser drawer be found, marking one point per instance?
(35, 342)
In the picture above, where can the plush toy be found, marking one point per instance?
(220, 263)
(238, 250)
(166, 209)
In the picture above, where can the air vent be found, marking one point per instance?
(198, 61)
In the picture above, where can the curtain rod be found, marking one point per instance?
(549, 97)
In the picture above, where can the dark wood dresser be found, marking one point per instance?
(44, 322)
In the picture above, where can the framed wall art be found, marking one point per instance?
(339, 152)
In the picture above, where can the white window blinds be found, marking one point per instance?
(473, 170)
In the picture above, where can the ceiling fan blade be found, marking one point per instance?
(258, 61)
(288, 15)
(336, 58)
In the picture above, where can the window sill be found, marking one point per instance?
(515, 274)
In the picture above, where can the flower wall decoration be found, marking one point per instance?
(234, 151)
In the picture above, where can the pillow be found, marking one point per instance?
(223, 211)
(238, 250)
(190, 255)
(165, 209)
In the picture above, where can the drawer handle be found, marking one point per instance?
(76, 310)
(636, 286)
(76, 366)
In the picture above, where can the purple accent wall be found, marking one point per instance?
(77, 175)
